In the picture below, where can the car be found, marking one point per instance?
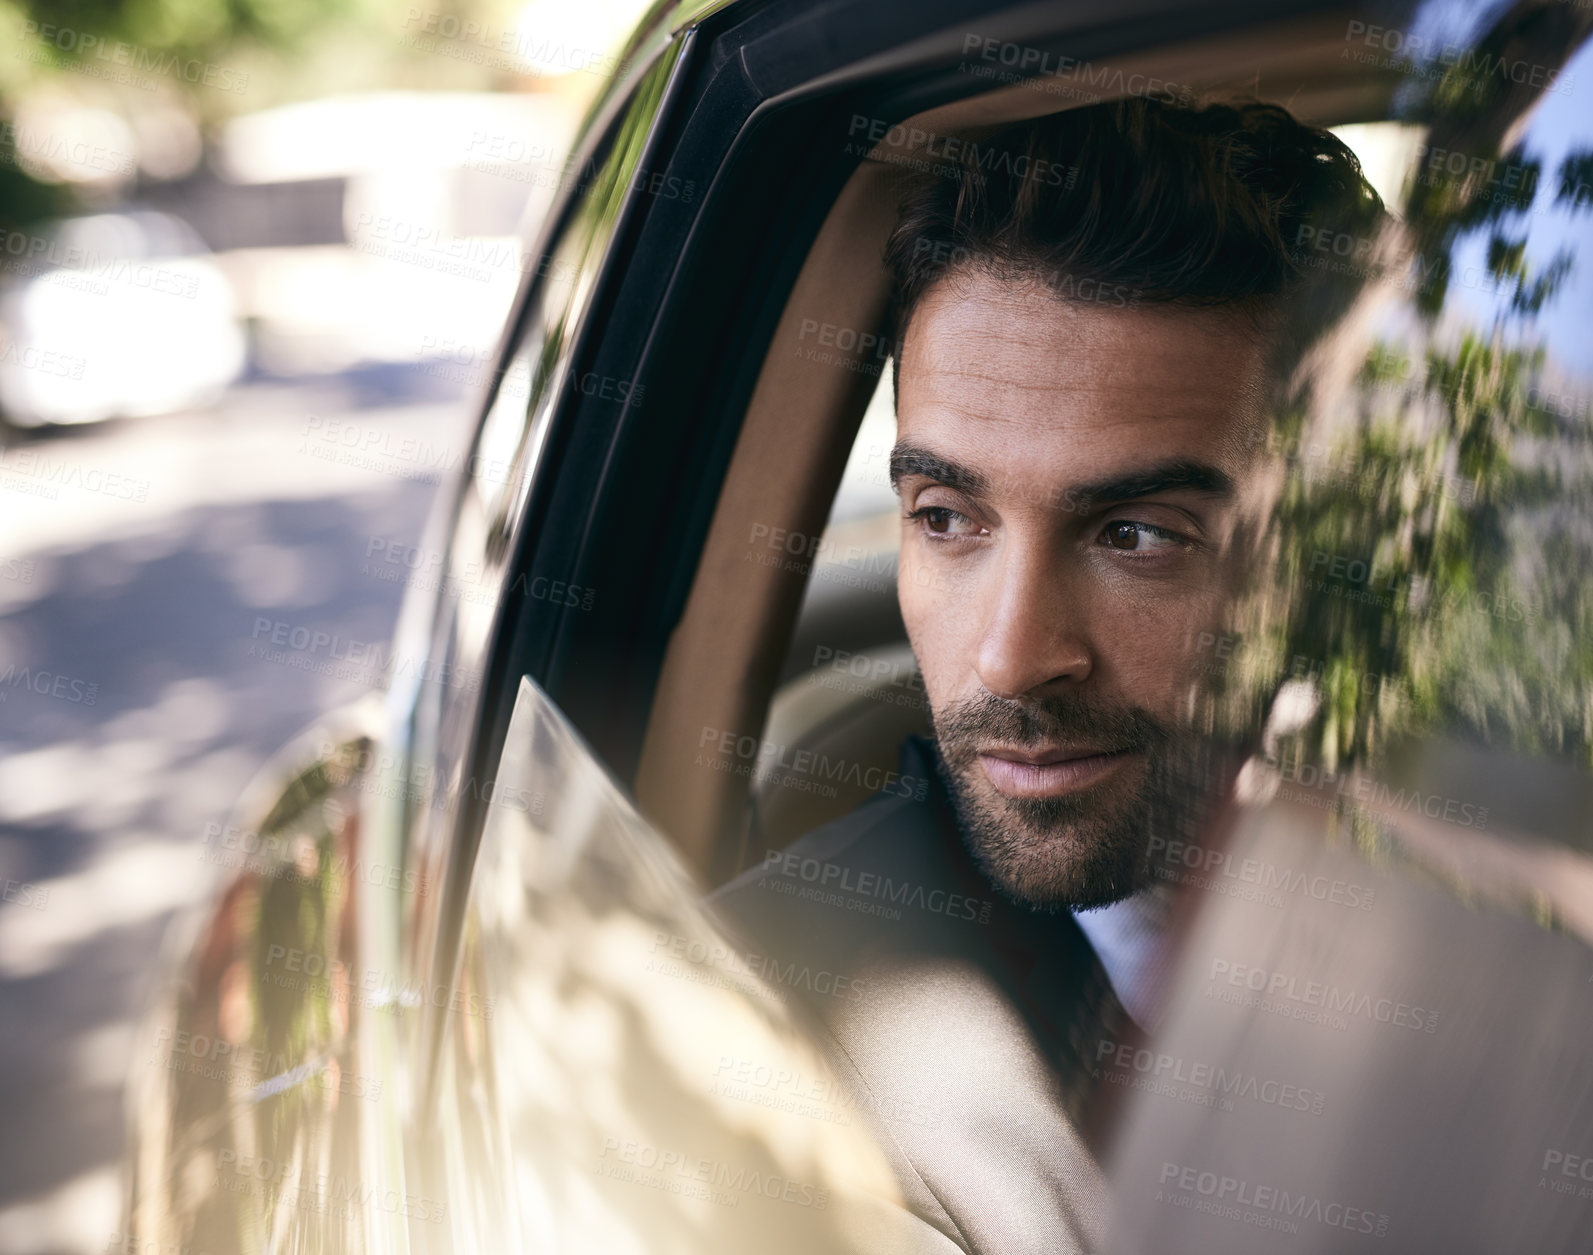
(112, 315)
(462, 989)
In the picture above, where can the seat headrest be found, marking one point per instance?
(832, 737)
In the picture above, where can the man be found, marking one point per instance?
(1086, 372)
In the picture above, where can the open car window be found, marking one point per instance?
(1402, 881)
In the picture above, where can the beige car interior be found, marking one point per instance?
(730, 671)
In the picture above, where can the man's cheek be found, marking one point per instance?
(1148, 656)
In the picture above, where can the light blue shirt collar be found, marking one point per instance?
(1129, 939)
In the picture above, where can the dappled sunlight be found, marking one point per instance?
(130, 885)
(35, 784)
(654, 1061)
(75, 1216)
(106, 803)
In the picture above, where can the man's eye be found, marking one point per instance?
(942, 521)
(1126, 534)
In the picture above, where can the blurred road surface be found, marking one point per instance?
(141, 566)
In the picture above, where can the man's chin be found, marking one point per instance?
(1076, 885)
(1073, 835)
(1077, 850)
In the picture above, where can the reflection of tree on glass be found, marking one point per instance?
(1428, 578)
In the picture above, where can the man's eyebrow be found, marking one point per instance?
(1175, 476)
(1178, 475)
(912, 459)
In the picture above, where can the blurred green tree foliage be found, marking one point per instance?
(209, 60)
(1433, 545)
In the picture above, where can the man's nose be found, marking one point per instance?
(1033, 630)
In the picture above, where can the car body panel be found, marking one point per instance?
(249, 1094)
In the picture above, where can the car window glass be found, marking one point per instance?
(619, 1069)
(1404, 884)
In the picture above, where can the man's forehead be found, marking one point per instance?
(993, 369)
(983, 337)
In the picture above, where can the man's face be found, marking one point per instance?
(1079, 490)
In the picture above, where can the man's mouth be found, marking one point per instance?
(1050, 771)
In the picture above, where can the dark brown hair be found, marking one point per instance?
(1146, 201)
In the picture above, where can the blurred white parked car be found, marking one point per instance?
(113, 315)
